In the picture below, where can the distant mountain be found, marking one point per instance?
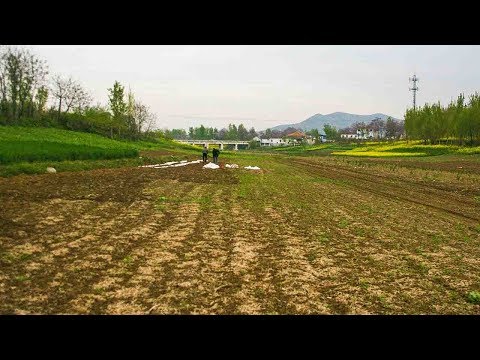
(338, 119)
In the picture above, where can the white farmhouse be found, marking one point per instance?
(273, 142)
(349, 136)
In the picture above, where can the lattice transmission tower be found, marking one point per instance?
(414, 79)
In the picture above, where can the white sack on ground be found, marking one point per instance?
(211, 166)
(231, 166)
(252, 168)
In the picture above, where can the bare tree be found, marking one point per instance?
(377, 124)
(70, 93)
(60, 88)
(143, 118)
(77, 98)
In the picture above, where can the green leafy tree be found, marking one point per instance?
(179, 134)
(22, 73)
(202, 133)
(390, 128)
(252, 133)
(315, 134)
(468, 126)
(100, 119)
(242, 133)
(118, 106)
(331, 132)
(116, 100)
(252, 144)
(232, 133)
(41, 99)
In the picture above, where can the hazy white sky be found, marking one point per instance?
(268, 85)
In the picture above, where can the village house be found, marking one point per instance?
(297, 137)
(272, 142)
(365, 134)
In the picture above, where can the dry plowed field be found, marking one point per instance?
(301, 236)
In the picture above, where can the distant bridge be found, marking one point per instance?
(215, 142)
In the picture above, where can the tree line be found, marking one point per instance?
(457, 122)
(30, 97)
(233, 132)
(390, 129)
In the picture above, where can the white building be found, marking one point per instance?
(349, 136)
(273, 142)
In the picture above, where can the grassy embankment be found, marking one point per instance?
(32, 150)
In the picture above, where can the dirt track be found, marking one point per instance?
(300, 237)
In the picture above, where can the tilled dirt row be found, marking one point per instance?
(448, 200)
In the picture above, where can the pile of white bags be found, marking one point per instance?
(211, 166)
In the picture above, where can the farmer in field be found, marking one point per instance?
(205, 154)
(215, 153)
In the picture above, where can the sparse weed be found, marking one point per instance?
(364, 284)
(7, 258)
(259, 293)
(474, 297)
(366, 208)
(98, 289)
(360, 232)
(324, 239)
(437, 239)
(21, 278)
(128, 260)
(343, 223)
(311, 257)
(423, 268)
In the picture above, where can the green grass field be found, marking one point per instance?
(31, 150)
(21, 144)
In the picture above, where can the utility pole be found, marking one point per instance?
(414, 89)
